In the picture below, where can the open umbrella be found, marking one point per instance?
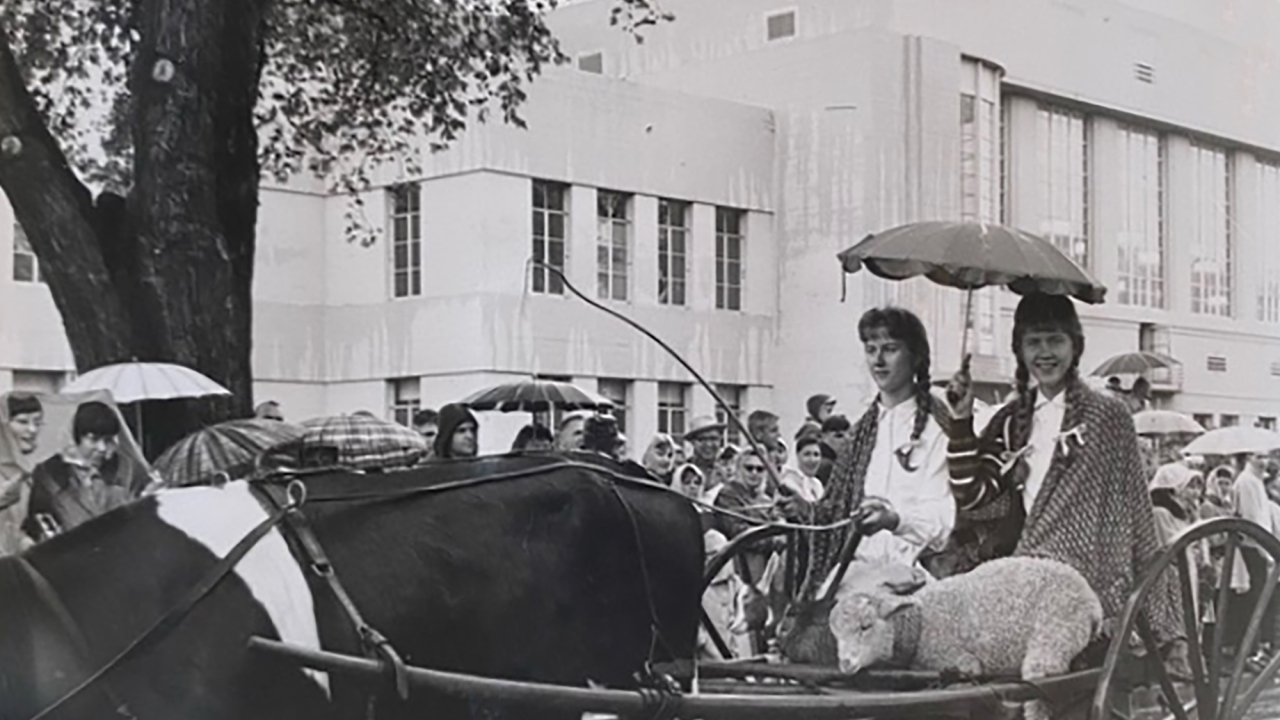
(134, 382)
(970, 255)
(1234, 440)
(359, 441)
(534, 395)
(1165, 422)
(231, 447)
(1133, 363)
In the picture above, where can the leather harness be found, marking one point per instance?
(287, 501)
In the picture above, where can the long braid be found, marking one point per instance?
(1024, 411)
(924, 399)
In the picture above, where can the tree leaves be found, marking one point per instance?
(346, 83)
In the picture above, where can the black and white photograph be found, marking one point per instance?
(639, 359)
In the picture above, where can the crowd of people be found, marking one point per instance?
(1056, 472)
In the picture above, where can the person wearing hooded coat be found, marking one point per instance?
(453, 418)
(21, 415)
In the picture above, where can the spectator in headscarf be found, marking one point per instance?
(23, 417)
(79, 483)
(569, 434)
(533, 437)
(459, 435)
(269, 410)
(820, 408)
(688, 481)
(659, 458)
(803, 480)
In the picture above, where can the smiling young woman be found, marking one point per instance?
(1057, 472)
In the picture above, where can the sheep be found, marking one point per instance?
(805, 632)
(1012, 616)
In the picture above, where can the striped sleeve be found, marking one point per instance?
(974, 466)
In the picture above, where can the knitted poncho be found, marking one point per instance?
(1092, 512)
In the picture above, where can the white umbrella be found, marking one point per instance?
(134, 381)
(1233, 441)
(1165, 422)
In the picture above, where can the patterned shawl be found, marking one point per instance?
(1093, 511)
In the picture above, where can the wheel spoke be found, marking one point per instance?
(1240, 709)
(1250, 635)
(1191, 624)
(1220, 626)
(1157, 665)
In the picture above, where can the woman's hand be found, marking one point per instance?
(876, 514)
(960, 391)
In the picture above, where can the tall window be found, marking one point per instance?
(729, 252)
(616, 391)
(612, 244)
(1063, 151)
(672, 407)
(1268, 236)
(1140, 240)
(26, 267)
(980, 166)
(550, 229)
(673, 244)
(1211, 232)
(732, 395)
(406, 239)
(405, 399)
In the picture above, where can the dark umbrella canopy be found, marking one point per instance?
(969, 255)
(231, 447)
(534, 396)
(1134, 363)
(361, 441)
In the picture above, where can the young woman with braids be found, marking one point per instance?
(892, 473)
(1057, 472)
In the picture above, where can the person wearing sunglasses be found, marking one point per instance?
(746, 496)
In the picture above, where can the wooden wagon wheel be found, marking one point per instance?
(726, 555)
(1217, 696)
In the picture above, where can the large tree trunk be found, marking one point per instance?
(166, 274)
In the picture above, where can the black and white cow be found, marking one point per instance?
(532, 578)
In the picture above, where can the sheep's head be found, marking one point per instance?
(864, 630)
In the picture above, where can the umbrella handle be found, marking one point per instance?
(968, 322)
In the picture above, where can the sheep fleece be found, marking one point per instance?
(1021, 616)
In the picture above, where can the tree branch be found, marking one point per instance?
(56, 211)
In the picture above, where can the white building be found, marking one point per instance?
(703, 181)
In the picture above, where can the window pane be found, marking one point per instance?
(24, 267)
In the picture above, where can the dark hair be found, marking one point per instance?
(905, 326)
(600, 434)
(426, 416)
(805, 441)
(452, 416)
(23, 404)
(1037, 311)
(836, 423)
(527, 434)
(815, 403)
(94, 418)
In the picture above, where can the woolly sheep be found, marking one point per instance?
(1012, 616)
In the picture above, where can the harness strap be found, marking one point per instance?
(171, 619)
(54, 603)
(374, 643)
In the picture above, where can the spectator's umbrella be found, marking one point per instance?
(1165, 422)
(534, 396)
(360, 441)
(1233, 441)
(1133, 363)
(231, 447)
(134, 382)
